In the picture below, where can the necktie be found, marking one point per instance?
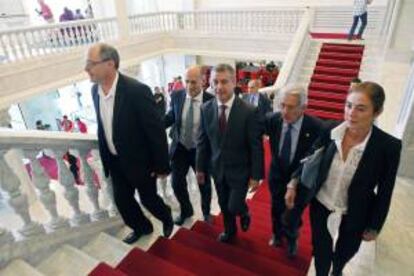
(188, 128)
(222, 118)
(286, 148)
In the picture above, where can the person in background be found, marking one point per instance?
(360, 13)
(354, 82)
(45, 12)
(230, 142)
(78, 15)
(81, 126)
(355, 181)
(67, 15)
(178, 84)
(257, 99)
(66, 124)
(291, 133)
(160, 100)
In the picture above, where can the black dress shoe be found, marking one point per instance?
(275, 241)
(181, 219)
(135, 236)
(292, 249)
(245, 222)
(168, 228)
(226, 238)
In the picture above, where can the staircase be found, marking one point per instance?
(336, 65)
(192, 251)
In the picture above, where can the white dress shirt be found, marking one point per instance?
(294, 134)
(334, 192)
(229, 105)
(197, 102)
(106, 110)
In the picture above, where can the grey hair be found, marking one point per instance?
(108, 52)
(295, 90)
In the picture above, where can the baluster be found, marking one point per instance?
(5, 48)
(13, 46)
(46, 195)
(106, 183)
(91, 190)
(17, 200)
(71, 193)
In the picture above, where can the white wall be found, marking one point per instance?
(403, 39)
(213, 61)
(244, 4)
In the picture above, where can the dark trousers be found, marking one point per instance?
(232, 202)
(346, 246)
(364, 18)
(125, 182)
(182, 160)
(284, 222)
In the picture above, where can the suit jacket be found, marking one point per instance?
(138, 132)
(370, 191)
(264, 104)
(237, 155)
(174, 116)
(310, 130)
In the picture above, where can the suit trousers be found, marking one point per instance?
(124, 185)
(232, 202)
(182, 160)
(284, 222)
(346, 246)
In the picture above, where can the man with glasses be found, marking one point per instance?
(291, 135)
(132, 141)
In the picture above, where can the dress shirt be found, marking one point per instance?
(106, 109)
(360, 7)
(229, 104)
(334, 191)
(295, 131)
(197, 102)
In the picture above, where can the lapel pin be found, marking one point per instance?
(307, 134)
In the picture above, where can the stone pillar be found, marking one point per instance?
(121, 8)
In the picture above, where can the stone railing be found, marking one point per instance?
(283, 20)
(28, 42)
(43, 152)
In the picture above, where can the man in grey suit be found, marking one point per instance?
(230, 140)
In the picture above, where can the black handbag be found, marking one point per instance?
(310, 170)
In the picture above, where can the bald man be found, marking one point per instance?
(184, 118)
(132, 141)
(256, 99)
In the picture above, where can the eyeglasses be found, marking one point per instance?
(91, 63)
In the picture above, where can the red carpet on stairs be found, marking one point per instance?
(337, 65)
(197, 251)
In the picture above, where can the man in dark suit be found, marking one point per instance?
(291, 134)
(184, 117)
(132, 141)
(257, 99)
(230, 140)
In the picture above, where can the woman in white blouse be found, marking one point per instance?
(352, 195)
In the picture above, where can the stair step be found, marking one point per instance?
(331, 79)
(69, 261)
(139, 262)
(341, 49)
(338, 63)
(325, 114)
(233, 255)
(333, 71)
(327, 96)
(328, 87)
(326, 105)
(104, 269)
(347, 45)
(340, 56)
(107, 249)
(192, 260)
(21, 268)
(249, 244)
